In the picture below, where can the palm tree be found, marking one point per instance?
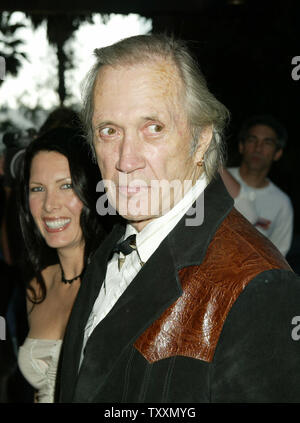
(59, 29)
(10, 44)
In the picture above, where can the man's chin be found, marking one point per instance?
(137, 209)
(258, 163)
(139, 222)
(137, 218)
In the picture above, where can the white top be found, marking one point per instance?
(38, 360)
(147, 241)
(269, 209)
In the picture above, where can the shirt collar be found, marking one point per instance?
(153, 234)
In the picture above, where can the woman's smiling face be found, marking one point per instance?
(54, 205)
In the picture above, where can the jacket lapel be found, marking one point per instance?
(88, 292)
(140, 305)
(189, 243)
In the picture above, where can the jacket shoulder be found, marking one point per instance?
(193, 324)
(237, 237)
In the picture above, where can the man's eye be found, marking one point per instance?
(155, 128)
(269, 142)
(107, 132)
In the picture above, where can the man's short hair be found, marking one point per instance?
(266, 120)
(202, 108)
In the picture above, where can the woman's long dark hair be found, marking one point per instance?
(85, 175)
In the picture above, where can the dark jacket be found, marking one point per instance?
(207, 319)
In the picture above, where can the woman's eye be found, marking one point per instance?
(155, 128)
(67, 186)
(36, 189)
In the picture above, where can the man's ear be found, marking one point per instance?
(277, 155)
(203, 143)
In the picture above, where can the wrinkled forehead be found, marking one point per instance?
(160, 74)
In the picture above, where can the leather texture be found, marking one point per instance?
(192, 325)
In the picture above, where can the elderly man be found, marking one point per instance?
(185, 302)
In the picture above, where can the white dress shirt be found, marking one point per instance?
(147, 241)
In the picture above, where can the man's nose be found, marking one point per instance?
(51, 201)
(258, 145)
(130, 155)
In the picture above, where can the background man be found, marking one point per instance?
(171, 311)
(261, 142)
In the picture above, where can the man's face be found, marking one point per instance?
(141, 138)
(259, 149)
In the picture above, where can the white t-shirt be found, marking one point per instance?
(269, 209)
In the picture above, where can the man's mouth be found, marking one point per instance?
(256, 157)
(131, 190)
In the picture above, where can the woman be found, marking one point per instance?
(61, 230)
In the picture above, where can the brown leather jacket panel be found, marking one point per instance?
(192, 325)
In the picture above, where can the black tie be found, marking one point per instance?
(126, 247)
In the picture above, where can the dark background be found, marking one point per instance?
(245, 49)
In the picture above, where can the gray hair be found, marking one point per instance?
(202, 108)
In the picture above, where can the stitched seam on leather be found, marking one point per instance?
(145, 383)
(168, 379)
(127, 375)
(237, 233)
